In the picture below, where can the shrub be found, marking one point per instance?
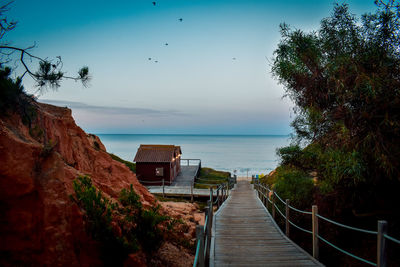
(209, 176)
(289, 155)
(295, 185)
(99, 212)
(340, 167)
(149, 234)
(334, 166)
(142, 224)
(13, 97)
(211, 173)
(10, 90)
(130, 199)
(304, 159)
(139, 227)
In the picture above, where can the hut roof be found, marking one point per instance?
(157, 153)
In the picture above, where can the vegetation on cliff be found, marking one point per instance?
(345, 81)
(209, 176)
(125, 226)
(130, 165)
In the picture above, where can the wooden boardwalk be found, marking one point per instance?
(244, 234)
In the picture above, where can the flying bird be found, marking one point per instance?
(166, 44)
(149, 58)
(180, 19)
(156, 61)
(233, 58)
(154, 3)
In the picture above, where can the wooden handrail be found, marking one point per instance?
(263, 193)
(204, 233)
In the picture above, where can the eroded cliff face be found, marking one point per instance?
(39, 224)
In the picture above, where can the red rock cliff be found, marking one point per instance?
(39, 224)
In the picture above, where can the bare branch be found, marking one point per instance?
(6, 26)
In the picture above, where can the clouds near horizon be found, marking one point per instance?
(106, 119)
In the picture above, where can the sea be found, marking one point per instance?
(244, 155)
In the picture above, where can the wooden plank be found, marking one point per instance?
(245, 235)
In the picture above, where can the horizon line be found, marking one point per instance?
(193, 134)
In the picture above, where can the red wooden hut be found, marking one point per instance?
(157, 162)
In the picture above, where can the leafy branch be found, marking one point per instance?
(49, 73)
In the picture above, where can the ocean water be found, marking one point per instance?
(247, 154)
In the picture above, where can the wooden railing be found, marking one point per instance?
(188, 161)
(269, 197)
(203, 232)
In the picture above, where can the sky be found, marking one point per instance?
(213, 77)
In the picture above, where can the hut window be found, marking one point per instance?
(159, 171)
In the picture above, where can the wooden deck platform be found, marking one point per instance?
(244, 234)
(179, 191)
(186, 176)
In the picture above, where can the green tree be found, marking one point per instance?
(345, 81)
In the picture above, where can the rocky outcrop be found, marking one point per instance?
(39, 224)
(188, 213)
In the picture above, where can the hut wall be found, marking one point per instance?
(147, 172)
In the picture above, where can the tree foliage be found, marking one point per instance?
(345, 81)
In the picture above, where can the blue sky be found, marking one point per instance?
(196, 87)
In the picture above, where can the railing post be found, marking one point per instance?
(211, 194)
(210, 207)
(206, 213)
(191, 192)
(218, 197)
(208, 228)
(287, 218)
(267, 194)
(200, 236)
(315, 232)
(264, 196)
(163, 188)
(225, 192)
(273, 204)
(381, 245)
(258, 187)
